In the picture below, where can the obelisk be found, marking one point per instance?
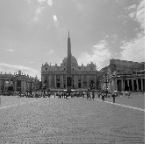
(69, 79)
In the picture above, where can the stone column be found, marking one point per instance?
(77, 81)
(22, 86)
(25, 86)
(9, 82)
(95, 81)
(66, 81)
(128, 84)
(141, 84)
(15, 85)
(49, 81)
(4, 85)
(82, 81)
(122, 85)
(112, 84)
(115, 84)
(87, 78)
(137, 84)
(74, 81)
(61, 81)
(132, 84)
(55, 85)
(0, 86)
(28, 86)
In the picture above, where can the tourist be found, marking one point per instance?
(113, 96)
(129, 94)
(88, 94)
(103, 96)
(99, 94)
(83, 94)
(93, 95)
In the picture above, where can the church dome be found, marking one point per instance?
(73, 61)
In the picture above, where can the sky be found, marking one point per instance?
(33, 32)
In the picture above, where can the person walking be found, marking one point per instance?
(103, 96)
(113, 96)
(93, 95)
(88, 94)
(129, 94)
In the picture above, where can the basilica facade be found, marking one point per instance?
(119, 75)
(54, 76)
(82, 77)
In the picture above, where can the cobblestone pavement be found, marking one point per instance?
(75, 120)
(136, 100)
(8, 101)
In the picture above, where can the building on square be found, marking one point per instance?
(82, 77)
(122, 75)
(119, 75)
(18, 83)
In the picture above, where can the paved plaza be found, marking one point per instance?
(72, 120)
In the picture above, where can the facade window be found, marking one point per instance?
(46, 69)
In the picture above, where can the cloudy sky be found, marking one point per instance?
(33, 32)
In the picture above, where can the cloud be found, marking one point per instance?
(80, 6)
(132, 7)
(49, 2)
(100, 55)
(101, 45)
(55, 20)
(114, 38)
(134, 50)
(137, 13)
(8, 68)
(10, 50)
(37, 13)
(50, 52)
(140, 14)
(32, 62)
(41, 1)
(107, 36)
(28, 1)
(132, 15)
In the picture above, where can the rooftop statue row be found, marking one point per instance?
(19, 73)
(74, 65)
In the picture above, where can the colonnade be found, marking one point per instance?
(17, 85)
(127, 84)
(60, 81)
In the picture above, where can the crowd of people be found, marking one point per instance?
(89, 94)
